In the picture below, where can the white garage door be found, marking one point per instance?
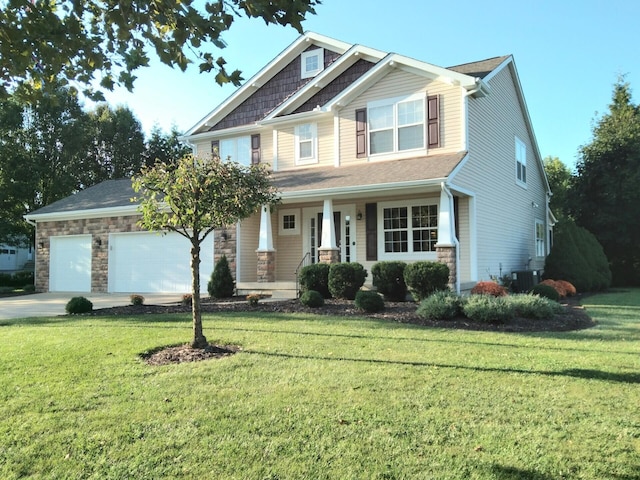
(150, 262)
(70, 264)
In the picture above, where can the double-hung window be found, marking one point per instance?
(410, 228)
(521, 163)
(396, 125)
(238, 149)
(540, 235)
(306, 144)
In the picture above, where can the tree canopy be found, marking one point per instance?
(103, 42)
(193, 197)
(559, 177)
(605, 198)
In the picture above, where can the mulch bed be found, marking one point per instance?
(573, 318)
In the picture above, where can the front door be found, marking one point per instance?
(344, 224)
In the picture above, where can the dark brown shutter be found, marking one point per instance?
(433, 120)
(255, 149)
(215, 148)
(361, 132)
(371, 212)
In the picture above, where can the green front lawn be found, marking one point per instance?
(321, 398)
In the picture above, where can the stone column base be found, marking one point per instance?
(328, 255)
(447, 255)
(266, 266)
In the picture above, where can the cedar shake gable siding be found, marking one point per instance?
(350, 75)
(272, 94)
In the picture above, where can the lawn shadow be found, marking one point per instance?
(512, 473)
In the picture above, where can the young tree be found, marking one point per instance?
(605, 198)
(559, 177)
(73, 41)
(192, 197)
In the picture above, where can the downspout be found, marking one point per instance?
(454, 239)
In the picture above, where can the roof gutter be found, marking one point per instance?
(481, 89)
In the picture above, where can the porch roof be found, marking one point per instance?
(378, 175)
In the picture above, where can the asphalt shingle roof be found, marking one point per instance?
(481, 68)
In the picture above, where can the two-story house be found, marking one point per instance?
(377, 157)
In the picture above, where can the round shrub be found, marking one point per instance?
(369, 301)
(440, 306)
(312, 298)
(79, 305)
(556, 286)
(388, 278)
(488, 309)
(29, 288)
(136, 299)
(221, 284)
(533, 306)
(569, 289)
(345, 279)
(489, 288)
(546, 291)
(424, 278)
(315, 277)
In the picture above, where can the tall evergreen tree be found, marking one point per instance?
(559, 177)
(165, 147)
(605, 196)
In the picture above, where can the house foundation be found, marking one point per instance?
(328, 255)
(266, 266)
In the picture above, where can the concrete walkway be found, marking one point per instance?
(52, 304)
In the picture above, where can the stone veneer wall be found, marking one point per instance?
(447, 255)
(226, 247)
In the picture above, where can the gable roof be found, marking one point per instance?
(277, 90)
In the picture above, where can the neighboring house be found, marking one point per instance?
(378, 157)
(15, 257)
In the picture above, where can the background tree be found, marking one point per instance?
(116, 145)
(559, 177)
(193, 197)
(164, 147)
(73, 41)
(605, 197)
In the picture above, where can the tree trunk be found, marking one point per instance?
(199, 340)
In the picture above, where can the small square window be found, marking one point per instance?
(312, 63)
(289, 223)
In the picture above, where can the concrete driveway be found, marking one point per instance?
(52, 304)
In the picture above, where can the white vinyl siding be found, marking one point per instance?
(288, 145)
(247, 246)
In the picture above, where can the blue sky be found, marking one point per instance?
(568, 53)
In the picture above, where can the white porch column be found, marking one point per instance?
(446, 220)
(265, 242)
(328, 240)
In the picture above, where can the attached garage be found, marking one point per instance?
(70, 265)
(145, 262)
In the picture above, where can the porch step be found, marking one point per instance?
(276, 290)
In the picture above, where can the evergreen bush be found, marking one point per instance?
(221, 284)
(533, 306)
(488, 309)
(79, 305)
(136, 299)
(546, 291)
(315, 277)
(369, 301)
(424, 278)
(345, 279)
(312, 298)
(388, 278)
(443, 305)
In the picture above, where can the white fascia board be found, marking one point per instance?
(379, 189)
(458, 167)
(496, 70)
(296, 118)
(80, 214)
(337, 68)
(266, 73)
(226, 132)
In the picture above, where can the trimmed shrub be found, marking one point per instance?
(345, 279)
(569, 289)
(546, 291)
(79, 305)
(136, 299)
(16, 280)
(221, 284)
(424, 278)
(533, 306)
(388, 278)
(254, 298)
(442, 305)
(187, 300)
(315, 277)
(29, 288)
(312, 298)
(369, 301)
(556, 286)
(489, 288)
(577, 257)
(488, 309)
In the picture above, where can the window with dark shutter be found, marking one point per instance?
(215, 148)
(433, 120)
(361, 132)
(371, 212)
(255, 149)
